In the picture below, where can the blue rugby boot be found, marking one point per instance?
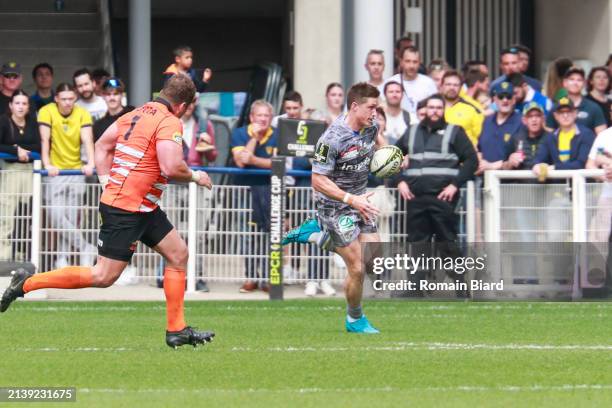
(303, 234)
(361, 325)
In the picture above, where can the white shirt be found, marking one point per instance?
(395, 127)
(603, 140)
(275, 119)
(415, 91)
(188, 126)
(96, 108)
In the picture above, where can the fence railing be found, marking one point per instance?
(552, 237)
(51, 221)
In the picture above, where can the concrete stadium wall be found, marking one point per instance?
(579, 29)
(317, 48)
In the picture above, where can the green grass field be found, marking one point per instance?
(296, 353)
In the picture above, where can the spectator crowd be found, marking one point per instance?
(509, 121)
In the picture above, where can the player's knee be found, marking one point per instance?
(103, 279)
(178, 257)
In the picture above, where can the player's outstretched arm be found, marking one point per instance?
(171, 163)
(324, 185)
(104, 151)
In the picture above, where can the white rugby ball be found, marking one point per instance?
(386, 161)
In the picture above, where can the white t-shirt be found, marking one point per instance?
(603, 140)
(96, 107)
(415, 91)
(188, 126)
(395, 128)
(275, 119)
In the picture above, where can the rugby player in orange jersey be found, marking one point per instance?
(134, 158)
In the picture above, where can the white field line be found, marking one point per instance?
(391, 347)
(57, 307)
(459, 388)
(401, 346)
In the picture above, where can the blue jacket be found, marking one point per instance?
(580, 146)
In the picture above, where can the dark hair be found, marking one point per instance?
(410, 48)
(99, 73)
(521, 48)
(452, 73)
(333, 85)
(79, 72)
(361, 91)
(398, 42)
(609, 60)
(390, 83)
(422, 104)
(381, 112)
(63, 87)
(509, 50)
(179, 89)
(180, 50)
(39, 66)
(592, 75)
(516, 79)
(474, 75)
(471, 64)
(562, 65)
(19, 92)
(293, 96)
(434, 96)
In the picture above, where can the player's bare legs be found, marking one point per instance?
(102, 275)
(353, 283)
(106, 271)
(174, 250)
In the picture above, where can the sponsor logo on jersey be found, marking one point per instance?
(357, 166)
(321, 153)
(350, 153)
(178, 138)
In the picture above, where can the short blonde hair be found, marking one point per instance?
(262, 102)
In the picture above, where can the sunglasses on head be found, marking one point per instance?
(112, 83)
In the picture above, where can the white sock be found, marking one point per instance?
(314, 237)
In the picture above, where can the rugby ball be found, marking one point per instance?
(386, 161)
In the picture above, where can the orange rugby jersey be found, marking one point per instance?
(135, 182)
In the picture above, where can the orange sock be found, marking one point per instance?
(69, 277)
(174, 289)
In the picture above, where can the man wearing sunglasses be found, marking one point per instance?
(112, 92)
(498, 129)
(11, 81)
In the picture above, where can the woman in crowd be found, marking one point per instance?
(19, 138)
(199, 148)
(598, 87)
(334, 98)
(553, 82)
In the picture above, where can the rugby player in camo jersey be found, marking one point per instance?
(345, 217)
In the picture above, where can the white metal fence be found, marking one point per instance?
(55, 221)
(542, 230)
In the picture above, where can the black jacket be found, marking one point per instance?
(438, 167)
(11, 137)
